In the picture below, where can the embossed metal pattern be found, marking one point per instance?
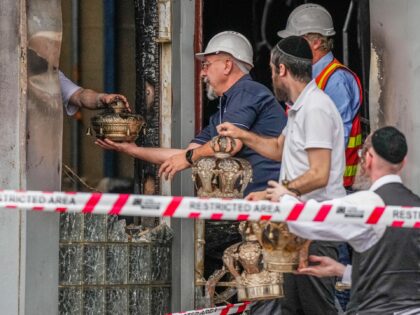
(254, 282)
(282, 249)
(117, 123)
(221, 176)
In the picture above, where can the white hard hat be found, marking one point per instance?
(232, 43)
(308, 18)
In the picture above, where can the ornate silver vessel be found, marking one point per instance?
(117, 123)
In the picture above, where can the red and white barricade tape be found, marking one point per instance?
(213, 209)
(229, 309)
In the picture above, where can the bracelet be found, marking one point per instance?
(99, 103)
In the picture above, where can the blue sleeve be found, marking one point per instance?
(208, 132)
(342, 88)
(242, 109)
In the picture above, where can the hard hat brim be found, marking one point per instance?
(285, 34)
(200, 56)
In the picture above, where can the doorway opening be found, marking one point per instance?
(260, 20)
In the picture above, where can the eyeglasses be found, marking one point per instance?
(206, 64)
(362, 152)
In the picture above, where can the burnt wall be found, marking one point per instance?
(147, 90)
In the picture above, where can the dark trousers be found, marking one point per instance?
(268, 307)
(307, 295)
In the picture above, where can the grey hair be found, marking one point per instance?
(243, 66)
(300, 68)
(327, 43)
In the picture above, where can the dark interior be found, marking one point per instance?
(259, 21)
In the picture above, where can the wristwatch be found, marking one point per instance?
(286, 183)
(189, 155)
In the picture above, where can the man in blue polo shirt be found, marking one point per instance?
(247, 104)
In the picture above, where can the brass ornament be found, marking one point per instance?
(221, 175)
(117, 123)
(244, 261)
(283, 251)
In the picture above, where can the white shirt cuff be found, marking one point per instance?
(347, 275)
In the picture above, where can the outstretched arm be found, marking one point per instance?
(178, 162)
(91, 99)
(152, 155)
(271, 148)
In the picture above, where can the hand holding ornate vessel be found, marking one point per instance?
(117, 123)
(283, 251)
(221, 176)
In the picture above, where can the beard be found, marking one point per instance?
(362, 180)
(281, 92)
(210, 93)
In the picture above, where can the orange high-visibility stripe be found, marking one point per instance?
(355, 136)
(325, 75)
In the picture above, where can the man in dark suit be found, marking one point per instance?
(385, 275)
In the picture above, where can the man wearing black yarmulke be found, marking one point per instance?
(390, 144)
(314, 23)
(385, 276)
(311, 148)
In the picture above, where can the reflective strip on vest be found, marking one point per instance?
(325, 75)
(355, 141)
(355, 136)
(350, 170)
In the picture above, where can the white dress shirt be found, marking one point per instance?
(360, 236)
(68, 88)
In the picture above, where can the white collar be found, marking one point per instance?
(385, 180)
(301, 98)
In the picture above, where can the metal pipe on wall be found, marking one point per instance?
(183, 116)
(363, 35)
(346, 34)
(75, 125)
(110, 158)
(198, 47)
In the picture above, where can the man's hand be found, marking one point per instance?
(174, 164)
(124, 147)
(230, 130)
(107, 99)
(326, 267)
(257, 195)
(276, 190)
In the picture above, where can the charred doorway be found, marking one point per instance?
(259, 21)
